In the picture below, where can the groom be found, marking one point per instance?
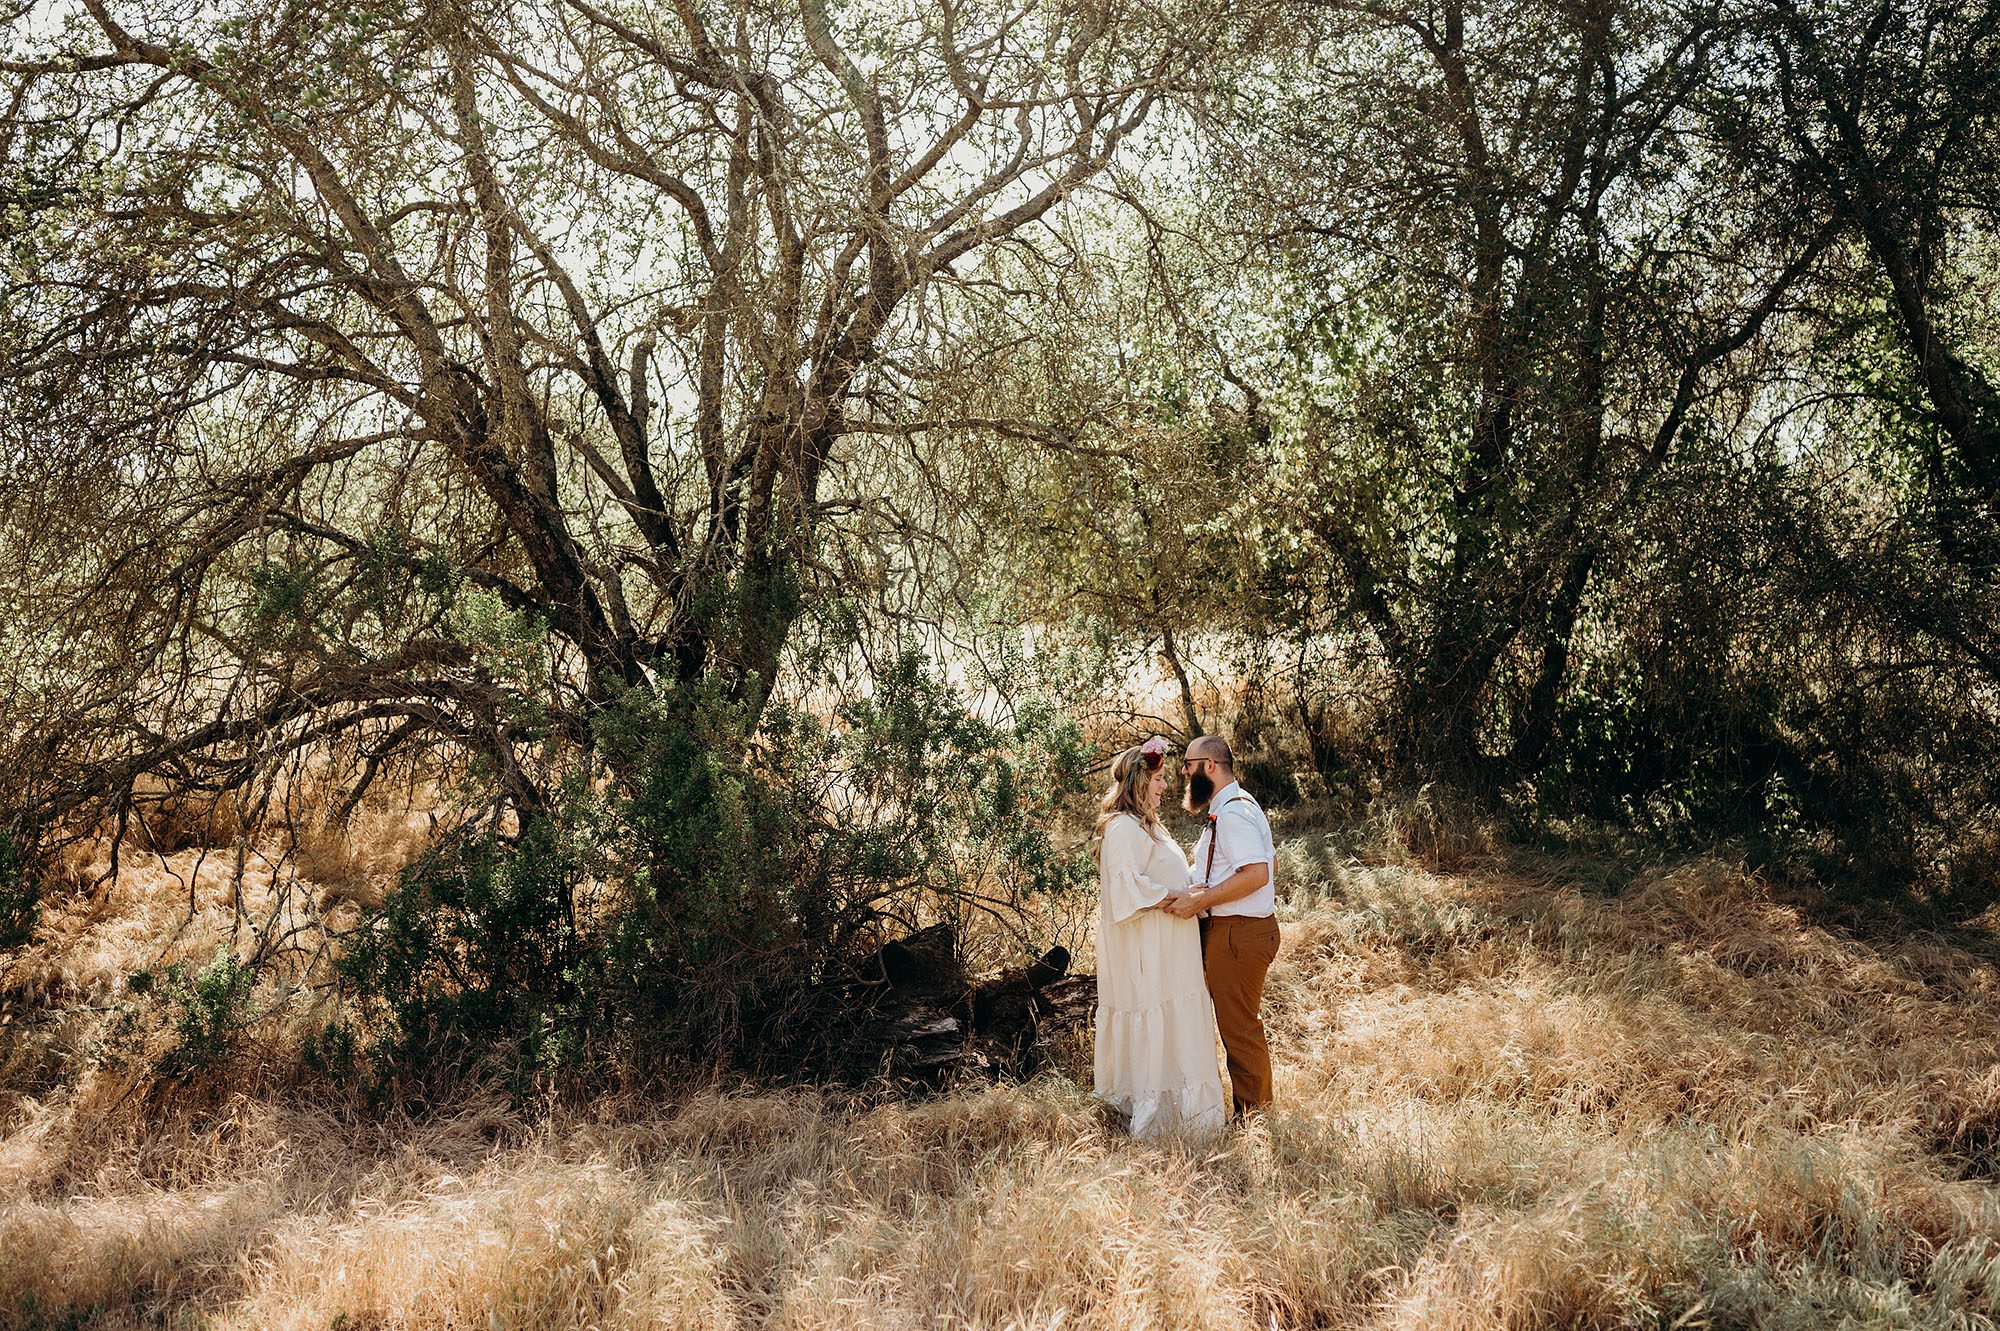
(1236, 899)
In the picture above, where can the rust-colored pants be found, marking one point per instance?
(1236, 950)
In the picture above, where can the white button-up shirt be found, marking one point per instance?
(1242, 836)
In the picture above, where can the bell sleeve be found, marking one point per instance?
(1126, 888)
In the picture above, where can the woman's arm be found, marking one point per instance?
(1122, 871)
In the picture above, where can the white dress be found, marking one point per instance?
(1155, 1024)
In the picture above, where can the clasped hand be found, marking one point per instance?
(1182, 905)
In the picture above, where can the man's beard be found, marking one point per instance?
(1200, 789)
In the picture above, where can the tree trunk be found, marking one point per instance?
(1171, 655)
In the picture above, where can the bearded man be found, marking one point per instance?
(1235, 898)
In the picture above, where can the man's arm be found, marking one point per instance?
(1247, 879)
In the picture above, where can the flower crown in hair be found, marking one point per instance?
(1152, 753)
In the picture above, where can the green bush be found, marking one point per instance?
(705, 905)
(20, 899)
(471, 952)
(212, 1007)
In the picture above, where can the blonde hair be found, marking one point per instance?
(1128, 775)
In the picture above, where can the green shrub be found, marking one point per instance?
(20, 898)
(212, 1007)
(471, 951)
(706, 905)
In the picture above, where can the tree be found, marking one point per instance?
(1518, 285)
(408, 375)
(1891, 112)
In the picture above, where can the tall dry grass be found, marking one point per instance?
(1507, 1102)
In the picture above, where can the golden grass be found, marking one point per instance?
(1507, 1103)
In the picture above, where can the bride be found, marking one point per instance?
(1155, 1024)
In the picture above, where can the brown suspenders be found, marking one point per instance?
(1209, 872)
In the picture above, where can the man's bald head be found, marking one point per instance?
(1214, 748)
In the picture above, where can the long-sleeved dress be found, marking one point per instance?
(1155, 1024)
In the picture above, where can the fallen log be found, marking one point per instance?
(927, 1021)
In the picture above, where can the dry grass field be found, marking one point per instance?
(1509, 1101)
